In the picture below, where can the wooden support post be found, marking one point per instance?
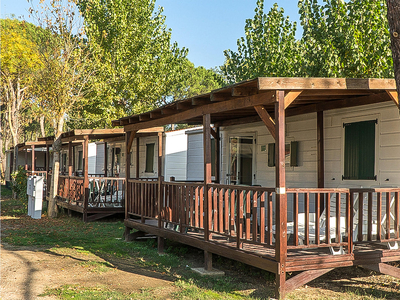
(47, 160)
(137, 159)
(129, 136)
(207, 191)
(70, 156)
(85, 157)
(207, 261)
(160, 240)
(106, 159)
(207, 176)
(217, 157)
(26, 160)
(320, 149)
(281, 197)
(320, 155)
(33, 158)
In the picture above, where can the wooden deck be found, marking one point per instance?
(105, 196)
(334, 227)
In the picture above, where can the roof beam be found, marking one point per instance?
(266, 118)
(283, 83)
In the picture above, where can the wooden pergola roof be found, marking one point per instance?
(78, 135)
(28, 145)
(235, 104)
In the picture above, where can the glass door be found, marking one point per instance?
(241, 151)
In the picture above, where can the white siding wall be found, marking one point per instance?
(387, 141)
(99, 158)
(142, 157)
(195, 159)
(301, 129)
(175, 154)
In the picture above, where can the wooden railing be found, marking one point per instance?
(106, 192)
(71, 189)
(144, 196)
(320, 218)
(323, 217)
(376, 214)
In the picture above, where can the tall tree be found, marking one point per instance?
(393, 16)
(269, 47)
(345, 39)
(19, 60)
(62, 82)
(133, 52)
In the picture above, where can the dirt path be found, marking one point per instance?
(26, 273)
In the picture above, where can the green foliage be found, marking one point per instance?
(340, 39)
(268, 49)
(132, 50)
(346, 39)
(19, 183)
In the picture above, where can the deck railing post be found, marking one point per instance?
(160, 240)
(281, 196)
(207, 188)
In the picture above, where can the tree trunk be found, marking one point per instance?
(57, 144)
(42, 131)
(393, 15)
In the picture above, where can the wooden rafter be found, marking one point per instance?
(290, 97)
(266, 118)
(130, 141)
(394, 96)
(215, 107)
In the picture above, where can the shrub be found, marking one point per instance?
(19, 183)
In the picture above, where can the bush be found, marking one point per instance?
(19, 183)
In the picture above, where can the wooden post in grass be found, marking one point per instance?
(207, 191)
(281, 196)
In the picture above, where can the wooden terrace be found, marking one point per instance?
(347, 226)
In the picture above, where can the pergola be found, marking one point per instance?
(269, 100)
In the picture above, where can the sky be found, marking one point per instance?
(205, 27)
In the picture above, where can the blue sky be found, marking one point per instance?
(205, 27)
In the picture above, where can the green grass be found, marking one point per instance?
(5, 192)
(70, 236)
(78, 292)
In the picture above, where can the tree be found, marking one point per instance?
(269, 47)
(62, 82)
(19, 60)
(345, 39)
(393, 16)
(132, 50)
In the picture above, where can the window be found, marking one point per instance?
(359, 150)
(80, 160)
(115, 160)
(149, 158)
(291, 154)
(64, 162)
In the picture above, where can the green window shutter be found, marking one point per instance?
(359, 150)
(271, 155)
(149, 158)
(294, 146)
